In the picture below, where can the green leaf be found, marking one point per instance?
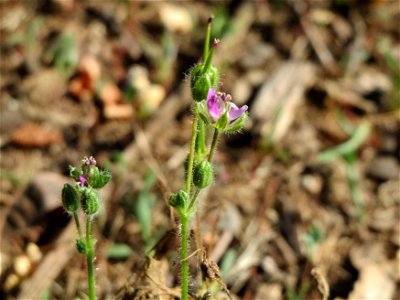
(119, 251)
(359, 136)
(144, 205)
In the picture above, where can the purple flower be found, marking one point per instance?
(218, 103)
(215, 105)
(236, 112)
(82, 181)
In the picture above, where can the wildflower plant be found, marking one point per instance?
(84, 194)
(215, 110)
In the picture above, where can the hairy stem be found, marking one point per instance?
(189, 174)
(90, 258)
(213, 145)
(78, 225)
(207, 40)
(184, 254)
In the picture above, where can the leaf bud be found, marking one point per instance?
(90, 201)
(179, 200)
(203, 174)
(70, 198)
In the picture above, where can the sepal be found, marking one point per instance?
(70, 198)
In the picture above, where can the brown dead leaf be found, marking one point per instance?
(32, 135)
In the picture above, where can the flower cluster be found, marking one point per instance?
(89, 175)
(220, 112)
(87, 179)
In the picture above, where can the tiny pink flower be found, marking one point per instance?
(82, 181)
(236, 112)
(217, 103)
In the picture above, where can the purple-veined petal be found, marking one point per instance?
(236, 112)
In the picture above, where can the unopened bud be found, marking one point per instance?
(179, 200)
(70, 198)
(203, 174)
(90, 201)
(99, 178)
(201, 80)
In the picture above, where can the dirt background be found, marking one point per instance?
(305, 200)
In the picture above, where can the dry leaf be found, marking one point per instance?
(32, 135)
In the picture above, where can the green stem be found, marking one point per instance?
(352, 178)
(90, 258)
(184, 254)
(78, 225)
(189, 174)
(193, 200)
(207, 40)
(210, 157)
(201, 149)
(213, 145)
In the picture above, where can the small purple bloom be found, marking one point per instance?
(82, 181)
(215, 105)
(236, 112)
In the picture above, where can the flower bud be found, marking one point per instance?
(203, 174)
(202, 80)
(70, 198)
(99, 178)
(90, 201)
(179, 199)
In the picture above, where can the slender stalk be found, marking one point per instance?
(184, 254)
(78, 224)
(90, 258)
(194, 198)
(201, 149)
(207, 40)
(189, 174)
(210, 157)
(213, 145)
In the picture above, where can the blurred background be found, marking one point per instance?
(305, 199)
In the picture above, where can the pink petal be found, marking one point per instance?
(211, 94)
(214, 105)
(82, 180)
(235, 112)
